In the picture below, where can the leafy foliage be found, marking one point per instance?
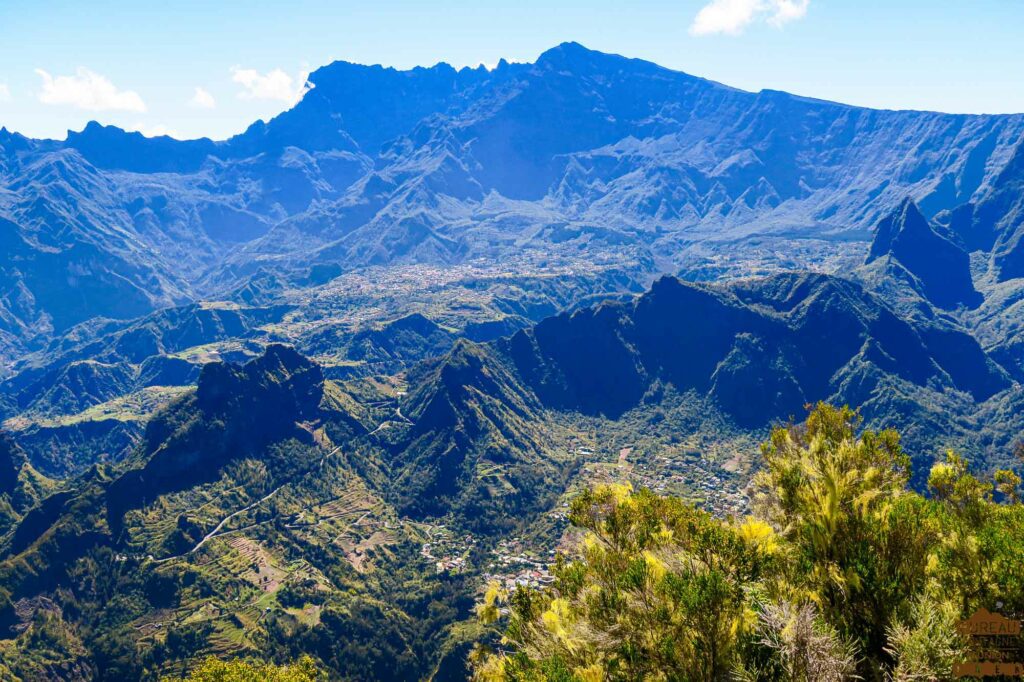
(213, 670)
(842, 572)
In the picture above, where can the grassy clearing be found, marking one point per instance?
(137, 406)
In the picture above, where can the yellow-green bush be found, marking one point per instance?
(841, 572)
(214, 670)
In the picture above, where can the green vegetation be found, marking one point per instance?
(249, 523)
(841, 571)
(21, 486)
(273, 513)
(136, 406)
(213, 670)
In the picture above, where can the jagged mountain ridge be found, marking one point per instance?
(761, 348)
(755, 351)
(581, 150)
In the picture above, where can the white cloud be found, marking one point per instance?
(202, 99)
(273, 85)
(732, 16)
(788, 10)
(5, 93)
(156, 130)
(87, 90)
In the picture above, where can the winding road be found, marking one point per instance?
(216, 531)
(398, 413)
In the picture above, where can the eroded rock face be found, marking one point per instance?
(280, 384)
(1001, 214)
(942, 269)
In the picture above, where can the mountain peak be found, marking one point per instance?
(571, 54)
(906, 217)
(12, 140)
(281, 379)
(567, 49)
(941, 267)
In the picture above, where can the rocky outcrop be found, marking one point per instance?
(941, 268)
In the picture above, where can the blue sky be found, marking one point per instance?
(210, 68)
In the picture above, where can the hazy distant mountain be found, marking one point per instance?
(580, 152)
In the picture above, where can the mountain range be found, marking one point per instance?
(300, 390)
(579, 151)
(480, 438)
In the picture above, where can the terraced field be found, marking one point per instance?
(137, 406)
(250, 576)
(356, 522)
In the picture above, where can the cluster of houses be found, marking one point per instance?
(516, 565)
(449, 553)
(716, 489)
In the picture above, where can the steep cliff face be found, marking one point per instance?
(993, 221)
(939, 268)
(236, 411)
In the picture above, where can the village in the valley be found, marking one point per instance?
(526, 561)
